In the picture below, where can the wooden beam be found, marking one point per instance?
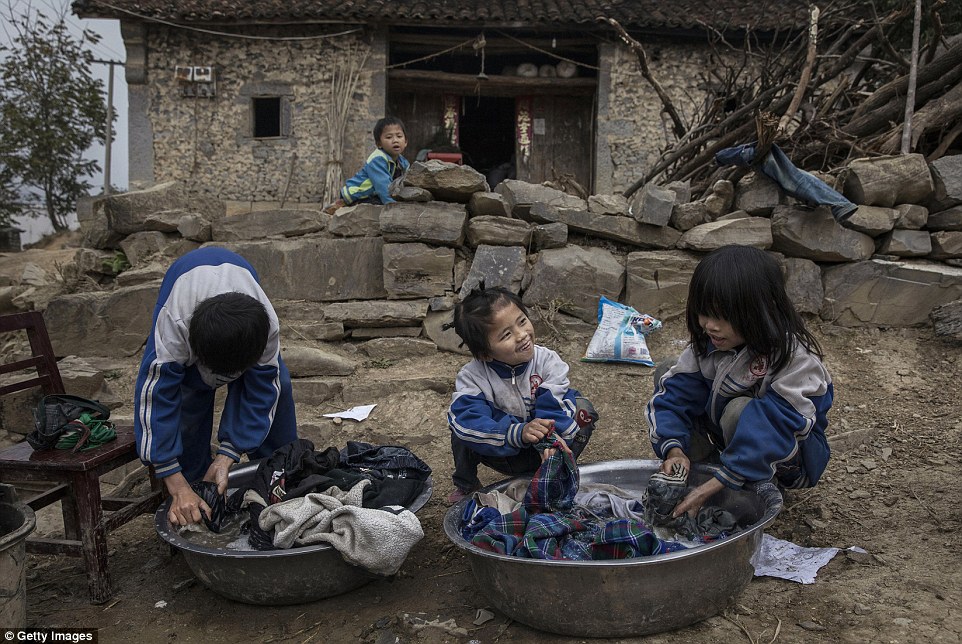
(494, 85)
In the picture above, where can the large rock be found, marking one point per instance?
(814, 235)
(437, 329)
(310, 268)
(487, 203)
(372, 313)
(446, 181)
(750, 231)
(268, 223)
(112, 324)
(141, 247)
(652, 205)
(302, 320)
(315, 391)
(498, 231)
(549, 236)
(911, 216)
(685, 216)
(497, 266)
(519, 196)
(947, 182)
(946, 244)
(397, 348)
(906, 243)
(434, 222)
(757, 195)
(719, 202)
(883, 293)
(657, 281)
(360, 220)
(573, 278)
(194, 227)
(949, 219)
(304, 362)
(608, 204)
(872, 220)
(127, 212)
(803, 283)
(616, 227)
(417, 270)
(887, 181)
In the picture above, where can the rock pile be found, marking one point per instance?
(386, 278)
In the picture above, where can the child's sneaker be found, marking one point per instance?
(459, 495)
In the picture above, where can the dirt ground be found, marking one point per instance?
(890, 488)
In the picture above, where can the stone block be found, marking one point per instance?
(446, 181)
(487, 204)
(947, 183)
(373, 313)
(316, 269)
(911, 216)
(757, 195)
(497, 266)
(685, 216)
(890, 180)
(750, 231)
(269, 223)
(946, 244)
(574, 278)
(615, 227)
(545, 236)
(906, 243)
(657, 281)
(361, 220)
(417, 270)
(608, 204)
(872, 220)
(949, 219)
(434, 222)
(888, 294)
(803, 283)
(519, 196)
(397, 348)
(102, 323)
(304, 362)
(814, 235)
(498, 231)
(652, 205)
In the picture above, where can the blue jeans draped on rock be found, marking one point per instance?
(797, 183)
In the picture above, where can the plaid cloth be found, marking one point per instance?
(549, 526)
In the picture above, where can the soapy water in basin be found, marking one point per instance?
(229, 538)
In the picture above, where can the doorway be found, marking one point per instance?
(486, 129)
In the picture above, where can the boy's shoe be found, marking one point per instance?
(459, 495)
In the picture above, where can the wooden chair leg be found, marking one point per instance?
(93, 535)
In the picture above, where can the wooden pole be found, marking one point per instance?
(913, 72)
(108, 143)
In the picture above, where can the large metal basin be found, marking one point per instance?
(625, 597)
(273, 577)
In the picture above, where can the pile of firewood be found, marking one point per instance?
(825, 95)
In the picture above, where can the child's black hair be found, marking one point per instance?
(744, 286)
(383, 123)
(473, 315)
(228, 332)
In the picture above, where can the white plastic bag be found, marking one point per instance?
(620, 336)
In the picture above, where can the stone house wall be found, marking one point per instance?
(206, 143)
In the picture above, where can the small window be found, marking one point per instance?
(266, 117)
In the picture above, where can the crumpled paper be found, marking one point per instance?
(786, 560)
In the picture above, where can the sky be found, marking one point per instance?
(110, 47)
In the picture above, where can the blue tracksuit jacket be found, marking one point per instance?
(493, 401)
(787, 416)
(374, 178)
(251, 397)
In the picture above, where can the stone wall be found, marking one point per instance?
(396, 271)
(206, 143)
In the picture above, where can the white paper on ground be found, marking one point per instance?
(786, 560)
(354, 413)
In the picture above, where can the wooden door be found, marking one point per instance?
(554, 137)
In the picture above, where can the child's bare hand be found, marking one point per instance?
(697, 497)
(536, 430)
(675, 455)
(551, 451)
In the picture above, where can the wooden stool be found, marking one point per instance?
(73, 479)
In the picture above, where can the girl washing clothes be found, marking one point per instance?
(750, 391)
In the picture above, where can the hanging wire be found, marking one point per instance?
(434, 55)
(226, 34)
(547, 53)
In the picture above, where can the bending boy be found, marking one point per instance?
(212, 326)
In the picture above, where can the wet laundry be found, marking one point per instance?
(665, 491)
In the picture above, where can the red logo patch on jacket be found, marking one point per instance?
(535, 381)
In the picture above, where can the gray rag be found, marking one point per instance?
(377, 540)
